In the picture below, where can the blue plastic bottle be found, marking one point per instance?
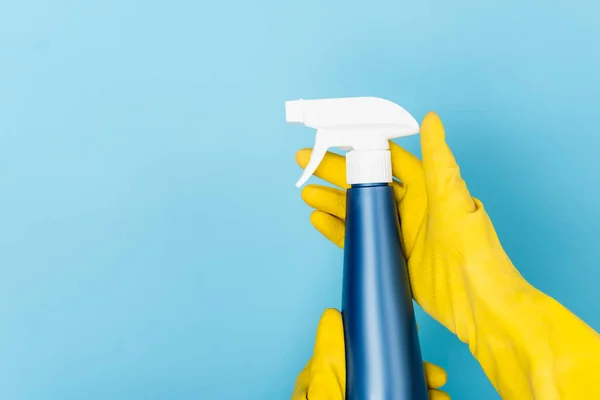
(383, 356)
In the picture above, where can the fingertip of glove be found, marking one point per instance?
(316, 217)
(432, 126)
(431, 118)
(319, 220)
(330, 321)
(331, 315)
(329, 343)
(302, 157)
(436, 375)
(438, 395)
(329, 226)
(308, 192)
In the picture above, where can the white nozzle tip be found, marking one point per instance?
(301, 182)
(294, 112)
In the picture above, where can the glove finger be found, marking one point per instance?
(333, 201)
(438, 395)
(321, 387)
(442, 175)
(399, 191)
(328, 367)
(406, 166)
(329, 343)
(332, 168)
(435, 375)
(302, 382)
(331, 227)
(329, 200)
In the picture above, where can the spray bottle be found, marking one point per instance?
(383, 356)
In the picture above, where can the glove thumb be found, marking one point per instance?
(445, 186)
(328, 369)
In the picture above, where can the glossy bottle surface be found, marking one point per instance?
(383, 356)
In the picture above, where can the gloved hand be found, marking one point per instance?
(324, 376)
(529, 345)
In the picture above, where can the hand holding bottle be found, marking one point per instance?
(324, 376)
(529, 345)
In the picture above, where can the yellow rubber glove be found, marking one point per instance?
(529, 345)
(324, 376)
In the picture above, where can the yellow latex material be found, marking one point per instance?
(529, 345)
(324, 376)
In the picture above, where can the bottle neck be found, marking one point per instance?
(368, 166)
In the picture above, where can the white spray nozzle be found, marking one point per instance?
(363, 125)
(294, 112)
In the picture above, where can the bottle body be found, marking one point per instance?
(383, 355)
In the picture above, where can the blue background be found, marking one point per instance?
(152, 242)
